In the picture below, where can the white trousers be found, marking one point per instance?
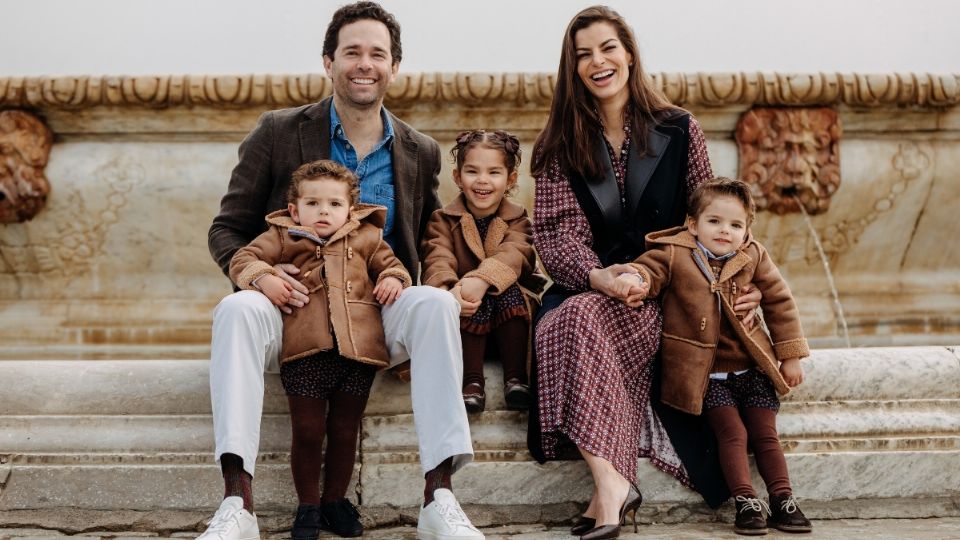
(423, 325)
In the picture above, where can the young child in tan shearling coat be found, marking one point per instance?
(333, 345)
(711, 361)
(480, 248)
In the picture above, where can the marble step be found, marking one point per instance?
(91, 434)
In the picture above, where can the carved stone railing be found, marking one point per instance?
(685, 89)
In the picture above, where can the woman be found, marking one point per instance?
(615, 161)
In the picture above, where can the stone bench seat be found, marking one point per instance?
(871, 433)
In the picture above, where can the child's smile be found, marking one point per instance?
(484, 178)
(722, 225)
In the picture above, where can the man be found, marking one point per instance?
(398, 168)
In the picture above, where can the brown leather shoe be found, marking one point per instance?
(474, 398)
(750, 520)
(786, 516)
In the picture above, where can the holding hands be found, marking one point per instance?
(792, 371)
(283, 289)
(620, 281)
(388, 290)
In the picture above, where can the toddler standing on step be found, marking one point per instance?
(711, 361)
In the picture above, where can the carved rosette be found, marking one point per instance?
(790, 155)
(24, 150)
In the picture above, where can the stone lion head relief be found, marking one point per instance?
(788, 154)
(24, 151)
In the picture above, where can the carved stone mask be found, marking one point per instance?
(789, 154)
(24, 151)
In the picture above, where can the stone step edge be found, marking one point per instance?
(205, 459)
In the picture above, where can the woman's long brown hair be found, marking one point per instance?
(573, 126)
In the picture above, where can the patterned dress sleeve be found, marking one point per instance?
(698, 161)
(561, 232)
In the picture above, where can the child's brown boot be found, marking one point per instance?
(749, 520)
(785, 514)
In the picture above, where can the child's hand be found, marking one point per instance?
(624, 282)
(792, 371)
(467, 308)
(637, 295)
(388, 290)
(276, 289)
(472, 289)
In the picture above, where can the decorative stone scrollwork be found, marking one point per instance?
(790, 155)
(536, 89)
(24, 150)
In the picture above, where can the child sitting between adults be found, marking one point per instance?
(713, 363)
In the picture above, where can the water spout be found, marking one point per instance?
(838, 308)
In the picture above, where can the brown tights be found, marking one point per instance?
(734, 429)
(511, 339)
(341, 426)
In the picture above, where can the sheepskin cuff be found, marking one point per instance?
(497, 274)
(252, 272)
(398, 273)
(794, 348)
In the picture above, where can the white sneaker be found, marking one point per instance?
(443, 519)
(231, 522)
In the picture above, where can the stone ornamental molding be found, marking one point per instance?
(685, 89)
(790, 156)
(25, 144)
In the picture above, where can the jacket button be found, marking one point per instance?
(349, 286)
(703, 324)
(349, 252)
(319, 252)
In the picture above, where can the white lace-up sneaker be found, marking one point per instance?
(443, 519)
(231, 522)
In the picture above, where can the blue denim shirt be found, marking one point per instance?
(375, 170)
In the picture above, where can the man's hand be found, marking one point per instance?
(388, 290)
(467, 308)
(747, 304)
(473, 288)
(298, 294)
(792, 371)
(276, 289)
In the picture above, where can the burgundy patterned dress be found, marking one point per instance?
(594, 353)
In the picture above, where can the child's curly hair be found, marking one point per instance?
(506, 142)
(323, 168)
(704, 194)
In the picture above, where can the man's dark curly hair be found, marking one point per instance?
(359, 11)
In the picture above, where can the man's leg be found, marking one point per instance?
(247, 332)
(424, 326)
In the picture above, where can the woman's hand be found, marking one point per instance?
(747, 303)
(604, 280)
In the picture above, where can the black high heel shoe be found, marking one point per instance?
(630, 504)
(581, 525)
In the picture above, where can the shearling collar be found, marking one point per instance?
(371, 213)
(507, 211)
(680, 236)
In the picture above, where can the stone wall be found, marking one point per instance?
(117, 258)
